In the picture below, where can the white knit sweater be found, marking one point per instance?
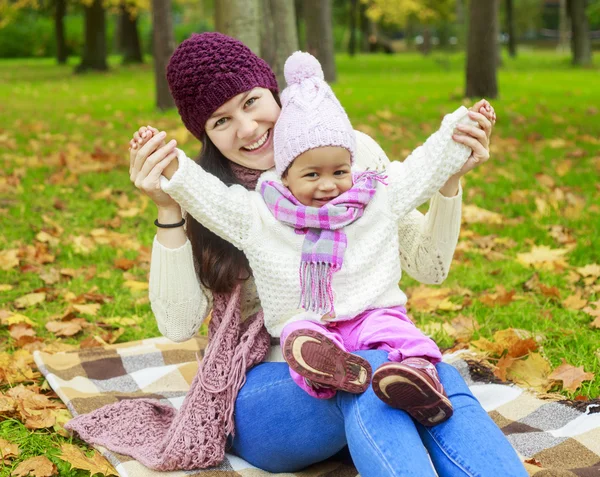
(371, 271)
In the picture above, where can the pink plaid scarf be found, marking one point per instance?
(325, 240)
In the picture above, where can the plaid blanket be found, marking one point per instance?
(554, 438)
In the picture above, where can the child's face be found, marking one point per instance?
(319, 175)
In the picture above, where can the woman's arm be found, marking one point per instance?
(226, 211)
(427, 242)
(179, 302)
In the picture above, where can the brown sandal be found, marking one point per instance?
(320, 360)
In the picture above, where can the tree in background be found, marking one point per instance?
(319, 34)
(581, 44)
(163, 45)
(278, 35)
(94, 47)
(482, 49)
(401, 13)
(510, 28)
(60, 10)
(129, 37)
(239, 19)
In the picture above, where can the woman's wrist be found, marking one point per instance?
(169, 215)
(451, 187)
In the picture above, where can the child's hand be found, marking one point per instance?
(486, 109)
(142, 136)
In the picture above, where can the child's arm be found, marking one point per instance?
(226, 211)
(229, 212)
(427, 169)
(427, 242)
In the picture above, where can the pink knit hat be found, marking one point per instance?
(311, 116)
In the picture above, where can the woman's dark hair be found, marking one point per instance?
(219, 265)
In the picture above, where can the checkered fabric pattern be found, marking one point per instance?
(562, 437)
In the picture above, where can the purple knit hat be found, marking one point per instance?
(209, 69)
(311, 116)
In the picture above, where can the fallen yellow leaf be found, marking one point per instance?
(39, 466)
(78, 460)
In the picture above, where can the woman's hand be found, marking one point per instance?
(149, 157)
(477, 138)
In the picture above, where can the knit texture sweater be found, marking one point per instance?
(372, 268)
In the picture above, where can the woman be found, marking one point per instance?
(227, 97)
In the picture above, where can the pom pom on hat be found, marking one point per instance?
(301, 66)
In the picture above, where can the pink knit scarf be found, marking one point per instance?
(194, 437)
(324, 236)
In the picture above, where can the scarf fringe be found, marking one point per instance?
(315, 285)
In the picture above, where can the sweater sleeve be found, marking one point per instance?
(420, 175)
(179, 302)
(226, 211)
(427, 242)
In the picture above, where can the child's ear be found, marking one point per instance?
(284, 181)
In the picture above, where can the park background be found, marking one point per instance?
(78, 78)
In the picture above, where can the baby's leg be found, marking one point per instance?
(410, 381)
(319, 362)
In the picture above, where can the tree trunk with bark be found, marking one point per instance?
(129, 38)
(482, 49)
(94, 47)
(163, 45)
(510, 29)
(319, 34)
(239, 19)
(59, 31)
(353, 17)
(278, 35)
(581, 44)
(564, 28)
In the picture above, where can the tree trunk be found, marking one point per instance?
(163, 45)
(319, 34)
(564, 28)
(353, 15)
(482, 49)
(510, 29)
(298, 11)
(129, 39)
(365, 27)
(59, 31)
(94, 48)
(580, 29)
(426, 46)
(239, 19)
(278, 35)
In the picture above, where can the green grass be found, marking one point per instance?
(49, 111)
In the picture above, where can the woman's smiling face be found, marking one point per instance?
(242, 128)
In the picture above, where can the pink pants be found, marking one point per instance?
(388, 329)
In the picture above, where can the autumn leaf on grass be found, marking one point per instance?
(475, 215)
(39, 466)
(8, 451)
(19, 330)
(95, 464)
(502, 366)
(532, 372)
(544, 257)
(17, 367)
(575, 302)
(135, 286)
(118, 321)
(30, 299)
(500, 298)
(37, 411)
(571, 377)
(14, 318)
(591, 270)
(87, 309)
(9, 259)
(426, 299)
(510, 342)
(66, 328)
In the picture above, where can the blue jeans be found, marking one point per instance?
(280, 428)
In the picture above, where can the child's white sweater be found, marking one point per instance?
(372, 268)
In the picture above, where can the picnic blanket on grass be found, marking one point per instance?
(558, 438)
